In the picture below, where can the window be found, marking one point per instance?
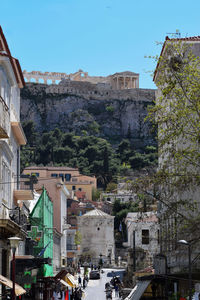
(36, 174)
(80, 189)
(73, 187)
(54, 175)
(145, 236)
(67, 177)
(6, 178)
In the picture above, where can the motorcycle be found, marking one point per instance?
(108, 294)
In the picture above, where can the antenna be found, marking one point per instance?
(176, 34)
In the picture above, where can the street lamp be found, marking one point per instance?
(14, 242)
(184, 242)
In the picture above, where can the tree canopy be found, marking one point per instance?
(92, 155)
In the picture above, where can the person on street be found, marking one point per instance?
(79, 280)
(116, 290)
(86, 278)
(84, 283)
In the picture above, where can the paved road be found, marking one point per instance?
(96, 288)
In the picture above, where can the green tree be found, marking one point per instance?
(95, 194)
(78, 238)
(30, 132)
(111, 187)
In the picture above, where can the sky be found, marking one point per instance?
(100, 37)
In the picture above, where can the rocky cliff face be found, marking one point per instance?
(92, 109)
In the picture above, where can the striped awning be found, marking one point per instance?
(70, 279)
(65, 283)
(7, 282)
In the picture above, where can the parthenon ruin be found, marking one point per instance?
(118, 81)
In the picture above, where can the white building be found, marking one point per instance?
(123, 196)
(11, 137)
(144, 228)
(97, 235)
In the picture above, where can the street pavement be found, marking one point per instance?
(95, 289)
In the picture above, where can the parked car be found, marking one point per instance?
(94, 274)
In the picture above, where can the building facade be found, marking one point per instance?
(178, 150)
(96, 230)
(13, 214)
(53, 178)
(143, 237)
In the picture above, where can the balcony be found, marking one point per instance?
(25, 192)
(18, 133)
(4, 119)
(9, 228)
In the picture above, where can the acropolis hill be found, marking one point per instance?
(111, 107)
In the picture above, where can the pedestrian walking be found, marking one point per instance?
(116, 290)
(86, 278)
(79, 280)
(57, 295)
(84, 283)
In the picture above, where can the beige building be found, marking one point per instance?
(97, 235)
(86, 187)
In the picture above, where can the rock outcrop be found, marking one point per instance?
(86, 108)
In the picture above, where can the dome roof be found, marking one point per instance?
(96, 213)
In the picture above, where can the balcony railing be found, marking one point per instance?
(24, 190)
(4, 119)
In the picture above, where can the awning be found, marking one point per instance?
(61, 274)
(70, 279)
(65, 283)
(7, 282)
(138, 290)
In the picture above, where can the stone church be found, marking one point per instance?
(97, 236)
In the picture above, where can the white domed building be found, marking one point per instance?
(97, 235)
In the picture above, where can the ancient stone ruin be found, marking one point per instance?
(117, 81)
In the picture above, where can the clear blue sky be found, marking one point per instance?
(100, 37)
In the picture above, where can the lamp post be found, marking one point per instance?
(14, 242)
(183, 242)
